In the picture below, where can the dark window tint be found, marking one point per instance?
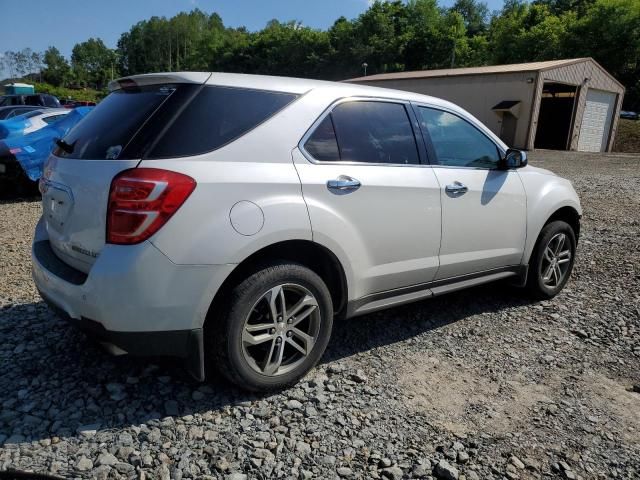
(107, 130)
(215, 117)
(50, 101)
(375, 132)
(11, 100)
(322, 144)
(33, 100)
(457, 142)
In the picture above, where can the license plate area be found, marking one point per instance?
(57, 203)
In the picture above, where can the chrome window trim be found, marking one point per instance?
(339, 101)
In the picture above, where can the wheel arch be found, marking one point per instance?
(317, 257)
(566, 213)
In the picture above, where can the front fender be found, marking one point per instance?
(546, 194)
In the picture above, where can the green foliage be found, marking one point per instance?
(92, 63)
(627, 136)
(389, 36)
(57, 70)
(74, 94)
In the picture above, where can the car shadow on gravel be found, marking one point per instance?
(58, 383)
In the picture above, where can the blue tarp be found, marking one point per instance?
(31, 150)
(14, 126)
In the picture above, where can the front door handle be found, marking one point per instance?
(343, 184)
(456, 188)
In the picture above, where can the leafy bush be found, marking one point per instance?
(85, 94)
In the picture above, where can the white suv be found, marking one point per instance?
(228, 219)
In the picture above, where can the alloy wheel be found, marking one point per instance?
(556, 260)
(281, 329)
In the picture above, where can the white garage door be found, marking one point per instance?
(596, 121)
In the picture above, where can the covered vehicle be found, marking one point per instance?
(22, 156)
(14, 110)
(31, 121)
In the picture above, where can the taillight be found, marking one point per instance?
(141, 201)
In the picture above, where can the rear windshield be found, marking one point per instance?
(169, 121)
(109, 128)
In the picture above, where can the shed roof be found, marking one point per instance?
(488, 69)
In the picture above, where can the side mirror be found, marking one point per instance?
(514, 159)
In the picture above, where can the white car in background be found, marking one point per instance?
(227, 219)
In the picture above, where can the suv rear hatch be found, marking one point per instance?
(77, 176)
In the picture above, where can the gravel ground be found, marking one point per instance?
(478, 384)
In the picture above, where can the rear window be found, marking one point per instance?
(169, 121)
(108, 129)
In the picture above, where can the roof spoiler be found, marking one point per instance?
(159, 79)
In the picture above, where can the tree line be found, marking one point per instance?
(388, 37)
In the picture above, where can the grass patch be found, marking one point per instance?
(628, 136)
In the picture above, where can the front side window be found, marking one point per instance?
(458, 143)
(365, 132)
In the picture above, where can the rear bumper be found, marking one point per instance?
(184, 344)
(134, 297)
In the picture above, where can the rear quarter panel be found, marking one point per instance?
(255, 168)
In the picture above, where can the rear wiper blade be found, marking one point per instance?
(64, 145)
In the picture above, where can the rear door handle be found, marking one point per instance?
(343, 184)
(456, 188)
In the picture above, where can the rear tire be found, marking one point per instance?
(552, 260)
(274, 327)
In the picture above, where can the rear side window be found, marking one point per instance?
(367, 132)
(322, 144)
(215, 117)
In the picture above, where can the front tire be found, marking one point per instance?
(552, 260)
(274, 329)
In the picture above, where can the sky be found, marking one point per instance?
(63, 23)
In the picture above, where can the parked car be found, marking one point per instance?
(15, 110)
(231, 219)
(77, 103)
(31, 121)
(37, 99)
(629, 115)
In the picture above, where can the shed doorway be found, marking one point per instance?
(557, 109)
